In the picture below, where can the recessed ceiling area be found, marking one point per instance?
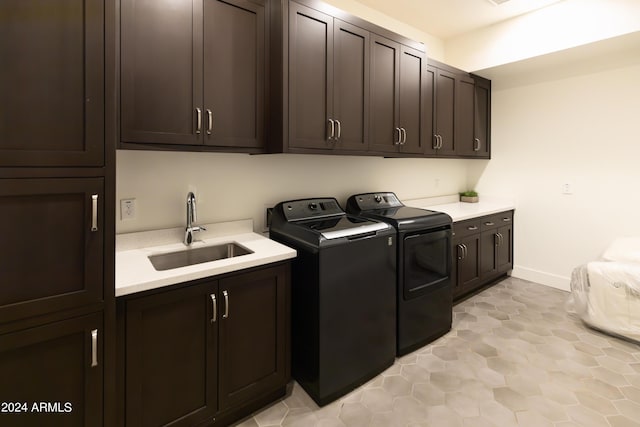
(449, 18)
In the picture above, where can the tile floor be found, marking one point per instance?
(513, 357)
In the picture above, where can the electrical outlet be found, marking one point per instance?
(267, 217)
(567, 188)
(127, 209)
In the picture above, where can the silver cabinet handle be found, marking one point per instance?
(404, 136)
(435, 142)
(94, 348)
(198, 120)
(506, 219)
(464, 247)
(226, 304)
(94, 212)
(210, 121)
(460, 252)
(489, 223)
(439, 142)
(399, 136)
(339, 126)
(476, 144)
(472, 228)
(501, 238)
(333, 129)
(496, 239)
(214, 305)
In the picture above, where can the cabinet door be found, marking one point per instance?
(52, 83)
(488, 245)
(385, 90)
(464, 117)
(482, 118)
(504, 249)
(445, 111)
(253, 334)
(430, 143)
(171, 357)
(52, 255)
(310, 77)
(469, 265)
(351, 86)
(161, 71)
(412, 100)
(55, 370)
(234, 73)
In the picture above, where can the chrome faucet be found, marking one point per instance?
(191, 219)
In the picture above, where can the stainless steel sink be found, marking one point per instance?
(186, 257)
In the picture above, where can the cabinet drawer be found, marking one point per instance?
(466, 228)
(496, 220)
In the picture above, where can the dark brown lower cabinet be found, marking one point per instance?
(483, 251)
(468, 263)
(52, 375)
(206, 353)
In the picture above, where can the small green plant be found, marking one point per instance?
(469, 194)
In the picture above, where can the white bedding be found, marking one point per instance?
(606, 293)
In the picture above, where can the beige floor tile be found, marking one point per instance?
(514, 357)
(532, 419)
(631, 393)
(622, 421)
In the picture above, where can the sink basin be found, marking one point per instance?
(187, 257)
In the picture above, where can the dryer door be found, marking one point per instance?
(427, 262)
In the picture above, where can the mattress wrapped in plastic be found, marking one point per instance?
(606, 293)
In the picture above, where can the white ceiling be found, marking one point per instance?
(448, 18)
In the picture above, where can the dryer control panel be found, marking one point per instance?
(370, 201)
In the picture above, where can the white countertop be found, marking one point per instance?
(459, 211)
(135, 273)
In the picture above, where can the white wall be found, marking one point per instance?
(581, 129)
(240, 186)
(557, 27)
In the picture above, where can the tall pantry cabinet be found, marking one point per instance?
(56, 212)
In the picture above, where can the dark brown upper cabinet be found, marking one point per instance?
(473, 116)
(466, 144)
(52, 235)
(398, 89)
(52, 83)
(328, 82)
(194, 74)
(460, 112)
(442, 141)
(482, 117)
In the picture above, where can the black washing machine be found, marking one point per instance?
(343, 295)
(424, 282)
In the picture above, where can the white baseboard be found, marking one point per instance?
(542, 277)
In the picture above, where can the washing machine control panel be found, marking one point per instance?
(296, 210)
